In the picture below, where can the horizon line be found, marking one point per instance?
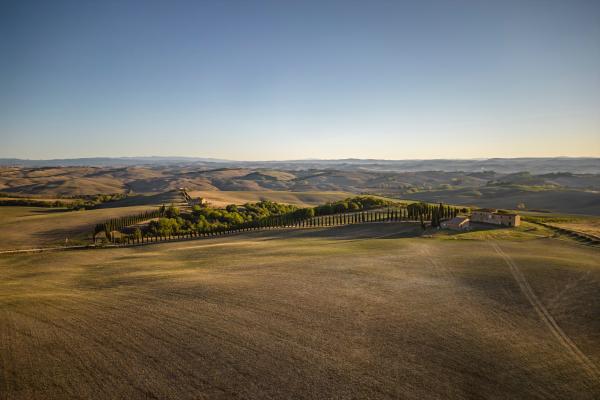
(216, 159)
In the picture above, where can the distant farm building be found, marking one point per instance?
(197, 202)
(456, 224)
(489, 216)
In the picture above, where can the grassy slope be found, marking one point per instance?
(590, 226)
(302, 199)
(303, 314)
(580, 223)
(526, 231)
(48, 200)
(31, 227)
(170, 197)
(564, 201)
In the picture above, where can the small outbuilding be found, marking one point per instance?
(197, 202)
(456, 224)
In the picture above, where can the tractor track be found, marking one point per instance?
(547, 318)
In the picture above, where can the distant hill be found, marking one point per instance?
(553, 191)
(104, 161)
(502, 165)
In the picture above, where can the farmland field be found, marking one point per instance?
(590, 226)
(32, 227)
(364, 311)
(301, 199)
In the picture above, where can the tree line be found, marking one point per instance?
(424, 212)
(353, 204)
(169, 222)
(118, 224)
(207, 219)
(80, 203)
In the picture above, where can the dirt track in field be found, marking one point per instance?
(547, 318)
(300, 315)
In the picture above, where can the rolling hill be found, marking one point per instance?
(556, 191)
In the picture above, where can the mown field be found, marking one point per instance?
(300, 199)
(365, 311)
(34, 227)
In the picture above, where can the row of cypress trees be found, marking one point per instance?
(413, 212)
(273, 222)
(423, 212)
(117, 224)
(428, 212)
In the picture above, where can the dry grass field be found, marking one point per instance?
(301, 199)
(33, 227)
(365, 311)
(586, 225)
(46, 200)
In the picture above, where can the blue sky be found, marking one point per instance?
(290, 80)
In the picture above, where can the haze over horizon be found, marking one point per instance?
(316, 80)
(184, 157)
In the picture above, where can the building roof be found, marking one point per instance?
(458, 220)
(496, 212)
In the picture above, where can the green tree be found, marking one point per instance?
(137, 234)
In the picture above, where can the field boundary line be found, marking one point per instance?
(546, 317)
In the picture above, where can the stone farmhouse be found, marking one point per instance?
(490, 216)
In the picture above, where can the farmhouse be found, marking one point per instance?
(456, 224)
(490, 216)
(197, 202)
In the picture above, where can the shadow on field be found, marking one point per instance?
(58, 235)
(144, 200)
(51, 211)
(351, 232)
(474, 227)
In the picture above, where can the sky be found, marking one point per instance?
(276, 80)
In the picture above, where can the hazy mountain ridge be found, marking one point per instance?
(564, 191)
(503, 165)
(153, 179)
